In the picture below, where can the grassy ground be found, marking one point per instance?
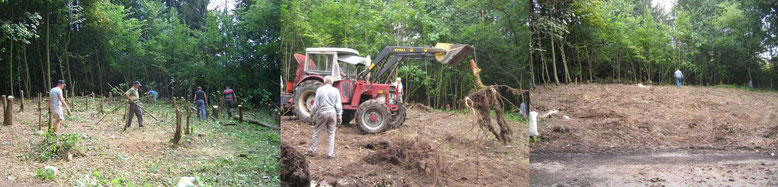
(236, 155)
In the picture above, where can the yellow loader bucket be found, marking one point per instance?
(454, 54)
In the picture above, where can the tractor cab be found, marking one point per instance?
(340, 63)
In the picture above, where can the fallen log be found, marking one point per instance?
(247, 120)
(112, 111)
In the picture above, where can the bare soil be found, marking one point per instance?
(654, 169)
(431, 148)
(137, 156)
(610, 134)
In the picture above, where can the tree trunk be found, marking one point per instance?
(48, 52)
(564, 60)
(553, 57)
(40, 112)
(580, 67)
(177, 135)
(99, 72)
(589, 58)
(11, 70)
(21, 102)
(546, 78)
(188, 115)
(531, 62)
(9, 117)
(27, 74)
(46, 80)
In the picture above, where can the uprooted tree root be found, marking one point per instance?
(294, 167)
(410, 155)
(482, 101)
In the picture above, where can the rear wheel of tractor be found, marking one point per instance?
(399, 118)
(347, 117)
(303, 99)
(373, 116)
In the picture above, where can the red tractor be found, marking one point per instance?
(366, 92)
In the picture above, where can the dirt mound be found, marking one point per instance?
(408, 154)
(432, 148)
(623, 118)
(294, 167)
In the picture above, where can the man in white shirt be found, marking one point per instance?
(56, 101)
(678, 78)
(327, 111)
(399, 84)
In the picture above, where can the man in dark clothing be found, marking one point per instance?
(200, 100)
(133, 98)
(229, 99)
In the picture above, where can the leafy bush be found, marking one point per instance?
(48, 173)
(57, 146)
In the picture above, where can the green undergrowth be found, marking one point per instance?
(745, 88)
(54, 146)
(255, 161)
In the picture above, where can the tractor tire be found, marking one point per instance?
(373, 116)
(399, 118)
(347, 116)
(304, 95)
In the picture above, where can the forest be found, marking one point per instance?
(712, 42)
(172, 46)
(497, 29)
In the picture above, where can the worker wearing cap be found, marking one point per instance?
(200, 99)
(133, 97)
(327, 111)
(229, 99)
(153, 95)
(56, 101)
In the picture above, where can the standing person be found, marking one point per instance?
(750, 84)
(678, 78)
(56, 101)
(230, 98)
(133, 98)
(200, 100)
(399, 84)
(153, 95)
(327, 110)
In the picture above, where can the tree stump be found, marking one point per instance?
(215, 112)
(102, 108)
(40, 112)
(49, 128)
(21, 104)
(126, 111)
(8, 119)
(240, 113)
(4, 102)
(188, 115)
(177, 135)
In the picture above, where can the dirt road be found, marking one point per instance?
(432, 148)
(611, 134)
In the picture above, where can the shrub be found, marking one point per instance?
(57, 146)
